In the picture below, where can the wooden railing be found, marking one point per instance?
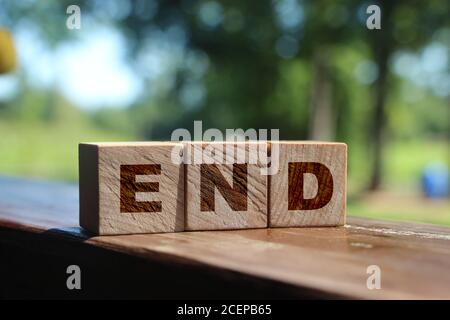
(40, 237)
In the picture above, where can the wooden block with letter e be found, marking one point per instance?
(131, 187)
(309, 188)
(224, 186)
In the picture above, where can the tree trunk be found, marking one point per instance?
(321, 120)
(379, 123)
(381, 47)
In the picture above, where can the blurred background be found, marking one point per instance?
(138, 69)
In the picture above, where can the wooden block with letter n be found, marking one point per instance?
(309, 188)
(224, 186)
(131, 187)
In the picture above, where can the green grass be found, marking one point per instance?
(401, 198)
(428, 212)
(404, 161)
(47, 151)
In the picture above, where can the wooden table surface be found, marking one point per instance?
(42, 217)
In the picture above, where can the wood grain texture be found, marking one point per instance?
(225, 196)
(131, 188)
(414, 258)
(309, 188)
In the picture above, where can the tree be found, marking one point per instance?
(402, 28)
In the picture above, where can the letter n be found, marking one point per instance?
(211, 178)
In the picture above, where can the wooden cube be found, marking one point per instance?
(226, 190)
(309, 188)
(131, 187)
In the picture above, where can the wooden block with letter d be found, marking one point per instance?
(224, 185)
(309, 187)
(131, 187)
